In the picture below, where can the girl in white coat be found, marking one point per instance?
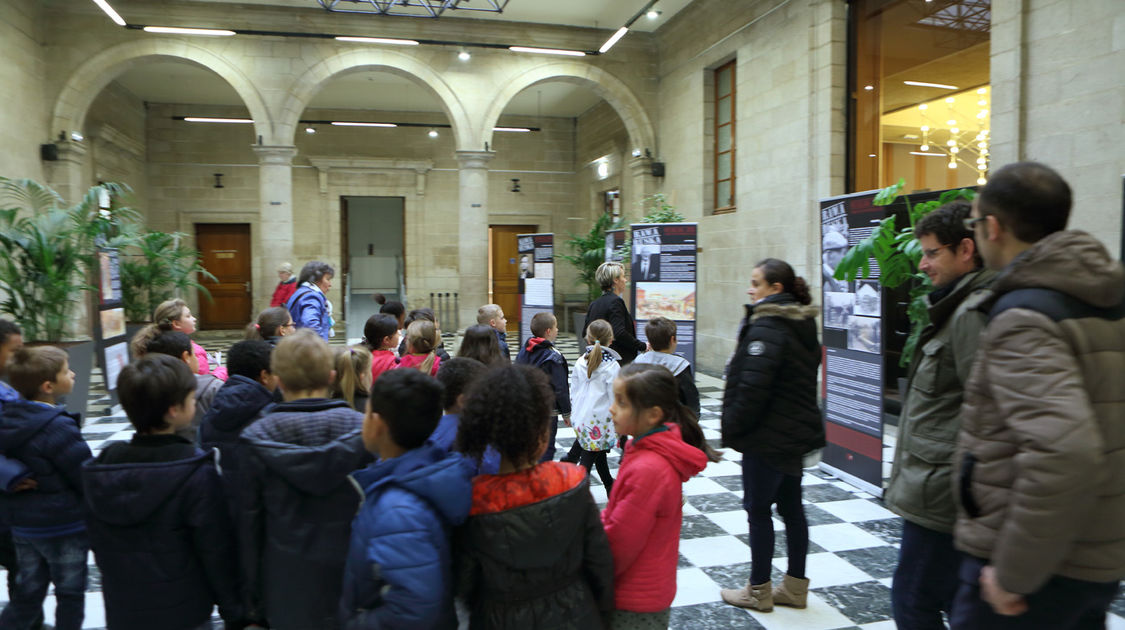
(591, 394)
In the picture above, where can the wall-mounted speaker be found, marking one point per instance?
(49, 152)
(658, 169)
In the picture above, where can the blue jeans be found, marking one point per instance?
(925, 579)
(1062, 604)
(42, 561)
(763, 486)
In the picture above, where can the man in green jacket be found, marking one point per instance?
(920, 489)
(1040, 461)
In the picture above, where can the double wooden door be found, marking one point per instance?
(224, 250)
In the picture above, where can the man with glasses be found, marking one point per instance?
(1040, 464)
(920, 488)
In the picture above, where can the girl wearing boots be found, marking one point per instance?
(770, 415)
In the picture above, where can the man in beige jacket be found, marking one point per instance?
(1040, 464)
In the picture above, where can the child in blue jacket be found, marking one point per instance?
(399, 568)
(456, 376)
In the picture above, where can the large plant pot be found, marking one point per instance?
(80, 359)
(578, 320)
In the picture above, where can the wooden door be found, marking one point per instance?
(505, 270)
(224, 250)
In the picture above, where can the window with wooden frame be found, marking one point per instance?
(724, 138)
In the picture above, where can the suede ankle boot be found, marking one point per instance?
(756, 596)
(792, 592)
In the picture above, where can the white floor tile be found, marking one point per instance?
(690, 509)
(856, 510)
(723, 468)
(732, 522)
(702, 485)
(818, 616)
(842, 536)
(827, 569)
(1114, 622)
(880, 625)
(693, 586)
(713, 551)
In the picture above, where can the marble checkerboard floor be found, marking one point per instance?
(852, 552)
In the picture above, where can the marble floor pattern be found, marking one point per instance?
(853, 545)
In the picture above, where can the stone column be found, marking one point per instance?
(643, 183)
(275, 202)
(473, 232)
(67, 175)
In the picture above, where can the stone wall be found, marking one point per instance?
(24, 103)
(789, 142)
(1058, 86)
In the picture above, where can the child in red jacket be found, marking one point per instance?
(642, 519)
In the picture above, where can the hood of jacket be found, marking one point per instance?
(675, 364)
(533, 536)
(685, 459)
(1071, 262)
(443, 480)
(128, 494)
(782, 305)
(24, 418)
(536, 342)
(237, 403)
(607, 353)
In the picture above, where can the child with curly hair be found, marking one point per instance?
(591, 387)
(533, 552)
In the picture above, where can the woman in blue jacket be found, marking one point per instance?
(309, 304)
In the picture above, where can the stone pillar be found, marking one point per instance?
(473, 232)
(275, 202)
(643, 183)
(67, 175)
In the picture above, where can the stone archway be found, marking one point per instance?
(311, 82)
(92, 77)
(613, 90)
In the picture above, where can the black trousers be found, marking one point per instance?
(588, 459)
(925, 580)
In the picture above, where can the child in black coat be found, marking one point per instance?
(540, 352)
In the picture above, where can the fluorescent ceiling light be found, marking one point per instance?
(933, 85)
(214, 32)
(923, 153)
(113, 15)
(362, 124)
(378, 40)
(547, 51)
(243, 121)
(613, 39)
(520, 129)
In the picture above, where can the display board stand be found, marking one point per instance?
(109, 330)
(664, 279)
(537, 278)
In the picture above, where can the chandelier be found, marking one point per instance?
(958, 129)
(410, 8)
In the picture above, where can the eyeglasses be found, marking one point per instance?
(930, 254)
(970, 222)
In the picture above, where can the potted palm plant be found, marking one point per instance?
(156, 266)
(47, 253)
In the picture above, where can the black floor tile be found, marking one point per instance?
(863, 602)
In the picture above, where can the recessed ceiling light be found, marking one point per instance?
(310, 130)
(433, 133)
(464, 55)
(176, 30)
(652, 14)
(933, 85)
(547, 51)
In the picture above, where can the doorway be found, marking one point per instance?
(373, 246)
(224, 250)
(504, 271)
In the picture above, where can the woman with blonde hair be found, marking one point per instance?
(611, 308)
(174, 316)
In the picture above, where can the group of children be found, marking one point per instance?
(458, 498)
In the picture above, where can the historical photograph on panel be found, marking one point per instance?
(863, 334)
(867, 298)
(838, 309)
(674, 300)
(834, 243)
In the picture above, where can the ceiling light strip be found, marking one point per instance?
(547, 51)
(613, 39)
(378, 40)
(178, 30)
(933, 85)
(347, 123)
(203, 119)
(113, 15)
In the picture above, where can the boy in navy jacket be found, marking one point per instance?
(399, 567)
(47, 525)
(159, 527)
(540, 352)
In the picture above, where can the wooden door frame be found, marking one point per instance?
(259, 277)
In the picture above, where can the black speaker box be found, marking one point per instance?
(658, 169)
(49, 152)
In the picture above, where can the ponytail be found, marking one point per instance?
(269, 324)
(350, 364)
(599, 333)
(801, 291)
(593, 359)
(421, 337)
(139, 343)
(428, 364)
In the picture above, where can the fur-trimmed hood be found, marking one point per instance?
(782, 305)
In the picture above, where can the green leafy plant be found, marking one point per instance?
(47, 252)
(589, 253)
(897, 253)
(155, 266)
